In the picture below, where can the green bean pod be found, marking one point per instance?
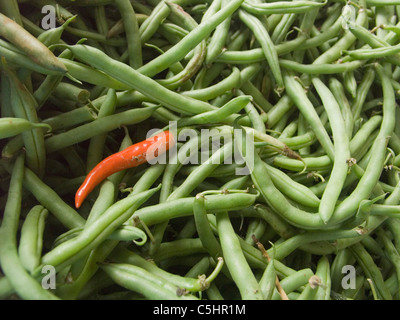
(100, 125)
(86, 74)
(219, 115)
(24, 284)
(201, 172)
(268, 280)
(139, 280)
(296, 92)
(122, 233)
(96, 144)
(323, 272)
(292, 189)
(24, 106)
(184, 207)
(294, 282)
(267, 46)
(218, 39)
(203, 228)
(132, 32)
(122, 254)
(238, 267)
(31, 240)
(136, 80)
(10, 127)
(342, 152)
(37, 51)
(282, 7)
(373, 170)
(229, 83)
(371, 270)
(322, 68)
(93, 234)
(180, 50)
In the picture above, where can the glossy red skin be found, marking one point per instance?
(130, 157)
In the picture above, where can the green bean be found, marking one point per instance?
(23, 105)
(86, 271)
(255, 230)
(137, 279)
(323, 273)
(95, 149)
(249, 89)
(149, 27)
(178, 51)
(178, 248)
(199, 52)
(320, 68)
(100, 125)
(262, 36)
(53, 35)
(218, 115)
(344, 42)
(31, 240)
(38, 52)
(294, 282)
(16, 57)
(206, 235)
(10, 127)
(11, 10)
(383, 3)
(342, 258)
(50, 199)
(373, 169)
(371, 270)
(68, 91)
(122, 233)
(47, 87)
(104, 200)
(280, 31)
(256, 121)
(390, 250)
(374, 42)
(338, 91)
(154, 214)
(366, 54)
(297, 94)
(201, 172)
(26, 286)
(134, 79)
(132, 32)
(281, 7)
(350, 82)
(218, 39)
(238, 267)
(267, 281)
(295, 191)
(121, 254)
(103, 28)
(94, 233)
(362, 92)
(229, 83)
(342, 152)
(89, 75)
(257, 55)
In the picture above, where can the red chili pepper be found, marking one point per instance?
(130, 157)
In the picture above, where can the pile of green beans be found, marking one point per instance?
(304, 205)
